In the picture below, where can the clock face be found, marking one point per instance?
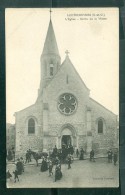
(67, 103)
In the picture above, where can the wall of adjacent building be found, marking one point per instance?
(10, 136)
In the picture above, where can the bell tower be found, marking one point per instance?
(50, 59)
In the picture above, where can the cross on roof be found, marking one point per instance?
(50, 12)
(67, 52)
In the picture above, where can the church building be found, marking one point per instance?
(63, 112)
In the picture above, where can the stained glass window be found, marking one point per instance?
(67, 103)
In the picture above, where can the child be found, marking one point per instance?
(8, 175)
(15, 175)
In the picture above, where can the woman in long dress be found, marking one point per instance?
(81, 155)
(58, 173)
(19, 167)
(44, 165)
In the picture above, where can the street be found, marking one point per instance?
(82, 174)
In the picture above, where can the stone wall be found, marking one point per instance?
(24, 140)
(102, 142)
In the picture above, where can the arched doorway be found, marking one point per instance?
(66, 137)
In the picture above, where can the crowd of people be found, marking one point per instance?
(56, 159)
(52, 162)
(48, 164)
(62, 153)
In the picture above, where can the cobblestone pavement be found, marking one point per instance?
(82, 174)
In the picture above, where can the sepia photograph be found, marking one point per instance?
(62, 97)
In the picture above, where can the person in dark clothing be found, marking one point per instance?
(19, 167)
(50, 168)
(77, 153)
(15, 175)
(109, 156)
(13, 155)
(58, 173)
(71, 150)
(55, 151)
(69, 161)
(22, 162)
(59, 154)
(8, 175)
(10, 156)
(64, 153)
(115, 157)
(92, 155)
(29, 151)
(81, 155)
(57, 161)
(27, 157)
(44, 165)
(68, 150)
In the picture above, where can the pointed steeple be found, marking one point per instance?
(50, 59)
(50, 45)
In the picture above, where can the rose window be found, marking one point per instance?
(67, 103)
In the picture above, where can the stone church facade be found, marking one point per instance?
(64, 112)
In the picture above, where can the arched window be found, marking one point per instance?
(100, 126)
(51, 69)
(31, 126)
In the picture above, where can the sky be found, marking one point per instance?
(89, 34)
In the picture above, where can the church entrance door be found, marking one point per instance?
(67, 136)
(66, 140)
